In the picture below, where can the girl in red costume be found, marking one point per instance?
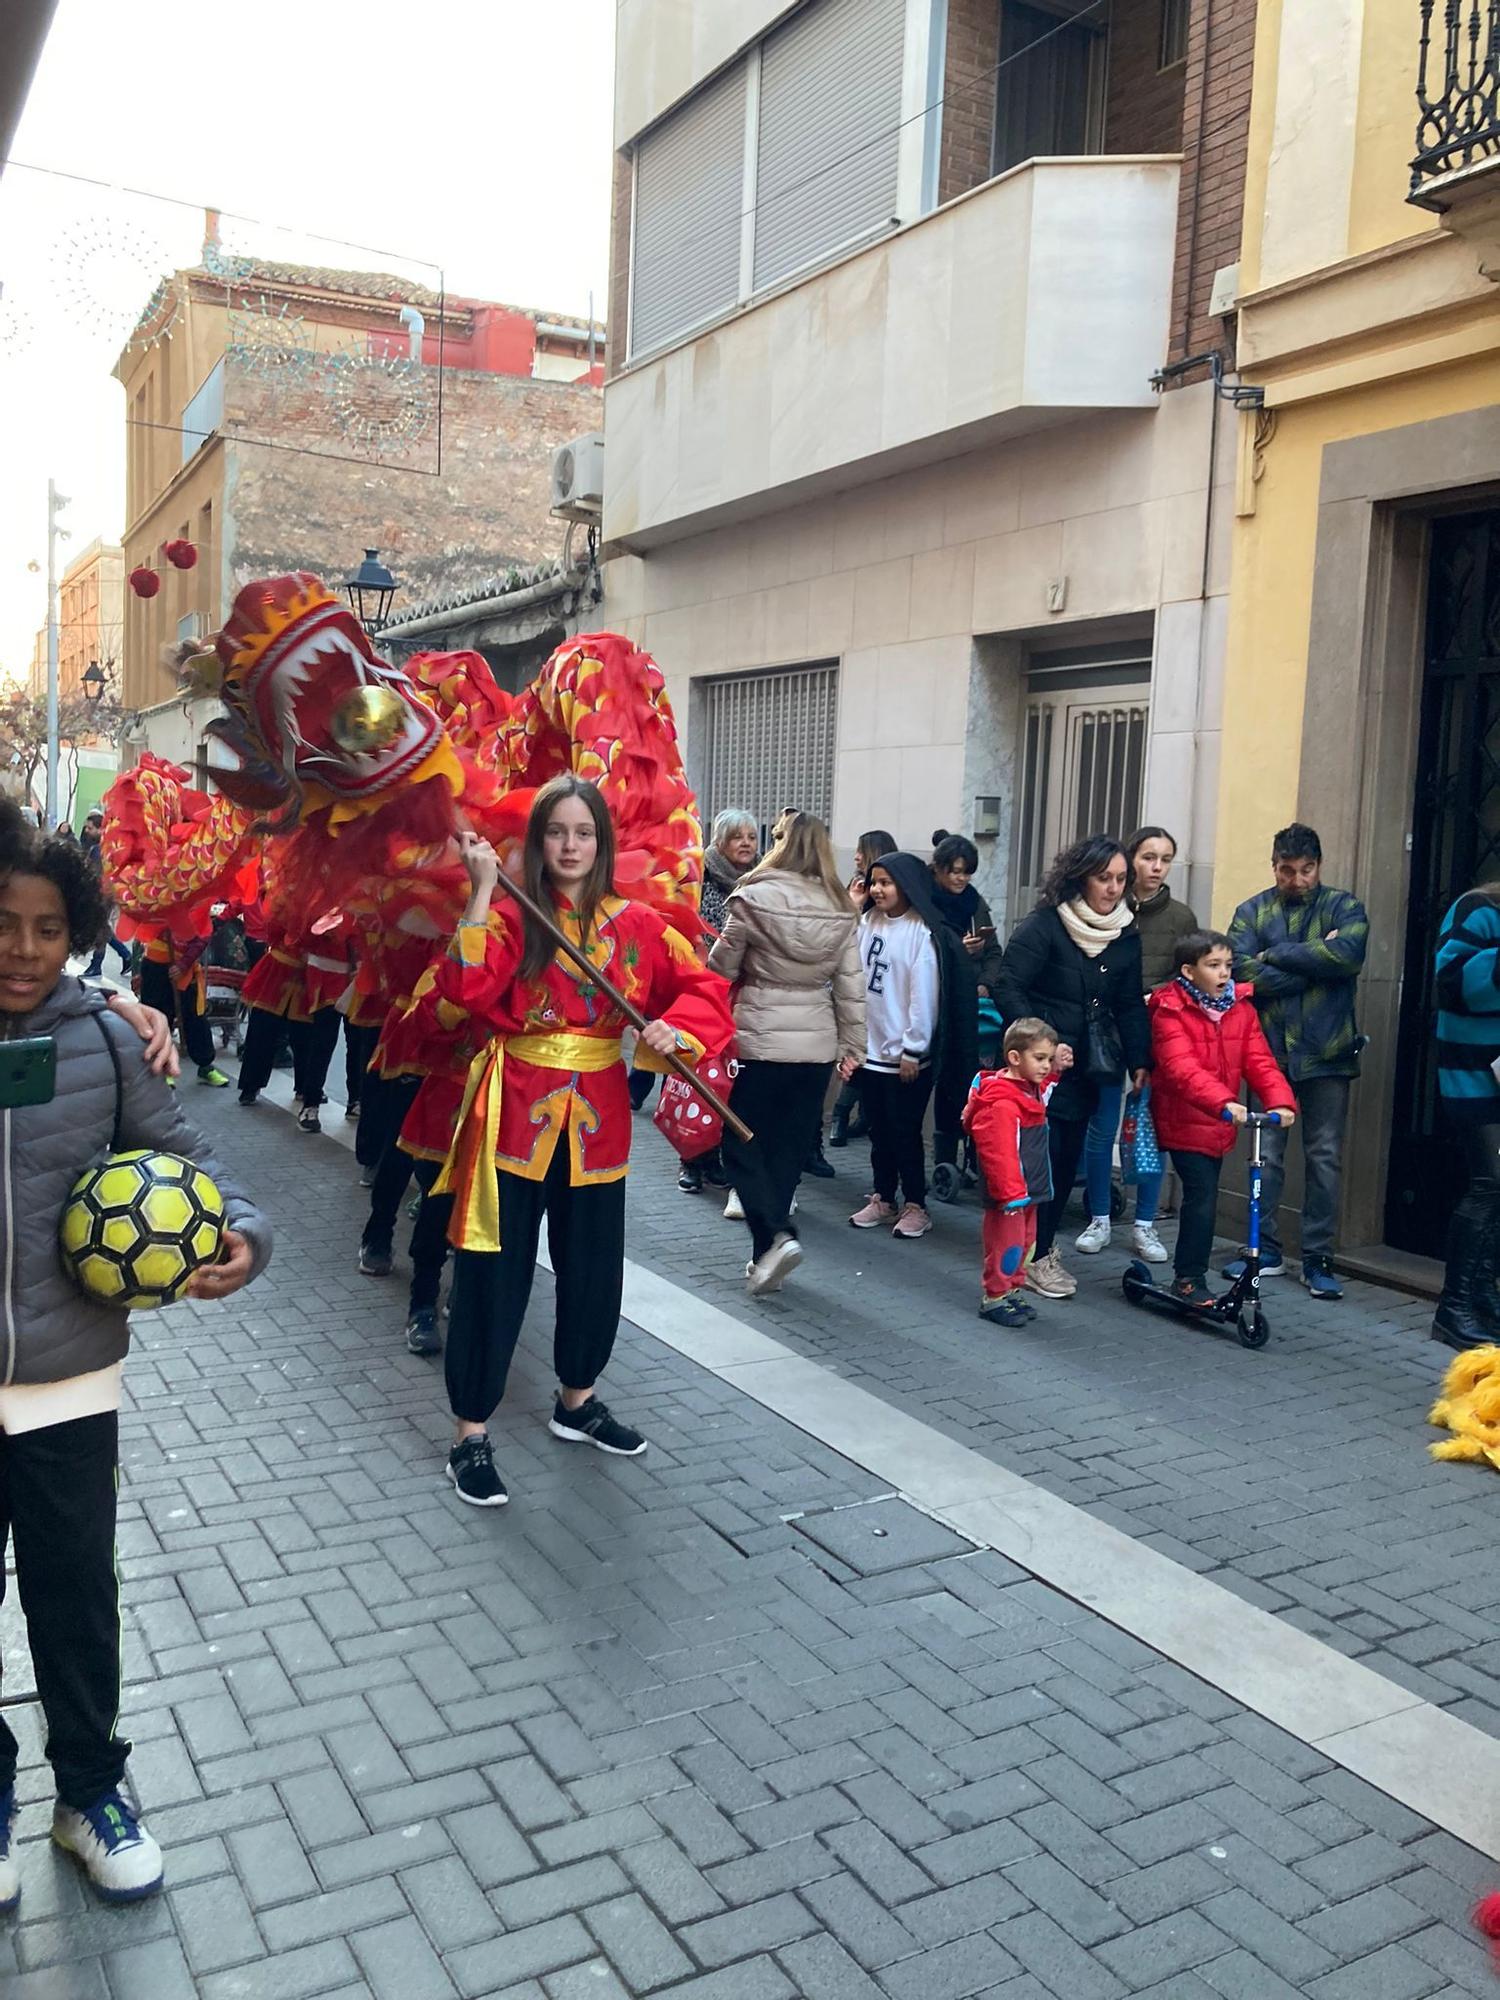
(545, 1124)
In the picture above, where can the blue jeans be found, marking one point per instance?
(1099, 1158)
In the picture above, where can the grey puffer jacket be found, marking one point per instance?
(49, 1330)
(795, 960)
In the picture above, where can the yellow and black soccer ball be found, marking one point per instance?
(137, 1226)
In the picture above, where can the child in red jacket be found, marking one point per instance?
(1208, 1043)
(1006, 1115)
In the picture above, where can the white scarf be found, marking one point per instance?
(1090, 931)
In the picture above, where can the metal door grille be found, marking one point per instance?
(1082, 771)
(768, 742)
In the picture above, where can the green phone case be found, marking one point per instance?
(28, 1072)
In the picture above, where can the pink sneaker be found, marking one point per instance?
(874, 1212)
(912, 1221)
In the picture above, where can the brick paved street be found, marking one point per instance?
(1297, 1477)
(726, 1724)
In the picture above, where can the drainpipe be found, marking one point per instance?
(415, 326)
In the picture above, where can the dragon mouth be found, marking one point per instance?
(303, 679)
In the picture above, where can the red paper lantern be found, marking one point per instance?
(181, 555)
(144, 582)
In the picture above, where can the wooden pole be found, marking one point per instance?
(631, 1012)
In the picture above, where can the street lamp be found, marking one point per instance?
(370, 591)
(95, 681)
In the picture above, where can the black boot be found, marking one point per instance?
(815, 1164)
(839, 1134)
(1466, 1313)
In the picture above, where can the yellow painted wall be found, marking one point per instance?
(1271, 608)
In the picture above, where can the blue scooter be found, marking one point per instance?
(1240, 1306)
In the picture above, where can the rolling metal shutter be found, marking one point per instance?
(768, 743)
(689, 186)
(830, 118)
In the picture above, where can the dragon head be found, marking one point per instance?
(315, 716)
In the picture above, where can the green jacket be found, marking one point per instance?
(1304, 977)
(1159, 924)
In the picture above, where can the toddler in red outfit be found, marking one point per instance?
(1006, 1115)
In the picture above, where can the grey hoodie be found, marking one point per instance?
(49, 1331)
(794, 958)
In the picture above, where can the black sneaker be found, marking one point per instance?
(308, 1119)
(818, 1165)
(471, 1467)
(591, 1423)
(422, 1335)
(1192, 1292)
(690, 1177)
(375, 1260)
(249, 1097)
(715, 1172)
(1006, 1312)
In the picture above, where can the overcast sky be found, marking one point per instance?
(469, 138)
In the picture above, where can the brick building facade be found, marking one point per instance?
(299, 416)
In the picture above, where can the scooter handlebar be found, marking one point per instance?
(1252, 1117)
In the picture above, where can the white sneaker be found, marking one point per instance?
(1046, 1277)
(122, 1860)
(768, 1270)
(734, 1208)
(1145, 1242)
(1095, 1238)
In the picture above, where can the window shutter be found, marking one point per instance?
(768, 742)
(830, 116)
(689, 183)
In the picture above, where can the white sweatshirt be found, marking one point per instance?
(901, 989)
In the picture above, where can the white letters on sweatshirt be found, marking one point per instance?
(901, 988)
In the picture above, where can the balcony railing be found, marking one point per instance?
(1458, 90)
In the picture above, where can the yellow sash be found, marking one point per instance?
(469, 1173)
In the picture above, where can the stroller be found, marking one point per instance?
(950, 1177)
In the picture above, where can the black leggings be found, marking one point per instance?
(183, 1007)
(893, 1117)
(359, 1046)
(263, 1037)
(782, 1103)
(586, 1237)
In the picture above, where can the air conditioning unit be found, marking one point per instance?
(578, 478)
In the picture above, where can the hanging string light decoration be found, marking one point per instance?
(380, 403)
(269, 341)
(102, 268)
(17, 328)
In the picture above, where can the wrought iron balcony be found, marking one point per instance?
(1458, 91)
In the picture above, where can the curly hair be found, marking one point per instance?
(1071, 869)
(25, 850)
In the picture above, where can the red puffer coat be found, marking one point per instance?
(1202, 1061)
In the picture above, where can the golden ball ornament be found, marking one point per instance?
(368, 718)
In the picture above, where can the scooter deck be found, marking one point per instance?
(1236, 1311)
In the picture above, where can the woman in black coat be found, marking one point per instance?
(1076, 962)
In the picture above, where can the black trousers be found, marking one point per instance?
(57, 1502)
(893, 1117)
(1199, 1174)
(263, 1034)
(782, 1103)
(393, 1168)
(1065, 1137)
(429, 1238)
(586, 1235)
(947, 1125)
(313, 1044)
(383, 1104)
(158, 991)
(359, 1046)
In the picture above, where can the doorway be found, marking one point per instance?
(1455, 844)
(1082, 763)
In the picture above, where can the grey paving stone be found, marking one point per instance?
(1292, 1953)
(952, 1971)
(821, 1969)
(1062, 1965)
(866, 1930)
(1054, 1889)
(1161, 1950)
(663, 1873)
(399, 1963)
(638, 1944)
(154, 1971)
(524, 1954)
(218, 1928)
(1389, 1974)
(452, 1908)
(740, 1933)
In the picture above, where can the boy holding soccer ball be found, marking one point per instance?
(71, 1086)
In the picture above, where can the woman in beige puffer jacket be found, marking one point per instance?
(790, 948)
